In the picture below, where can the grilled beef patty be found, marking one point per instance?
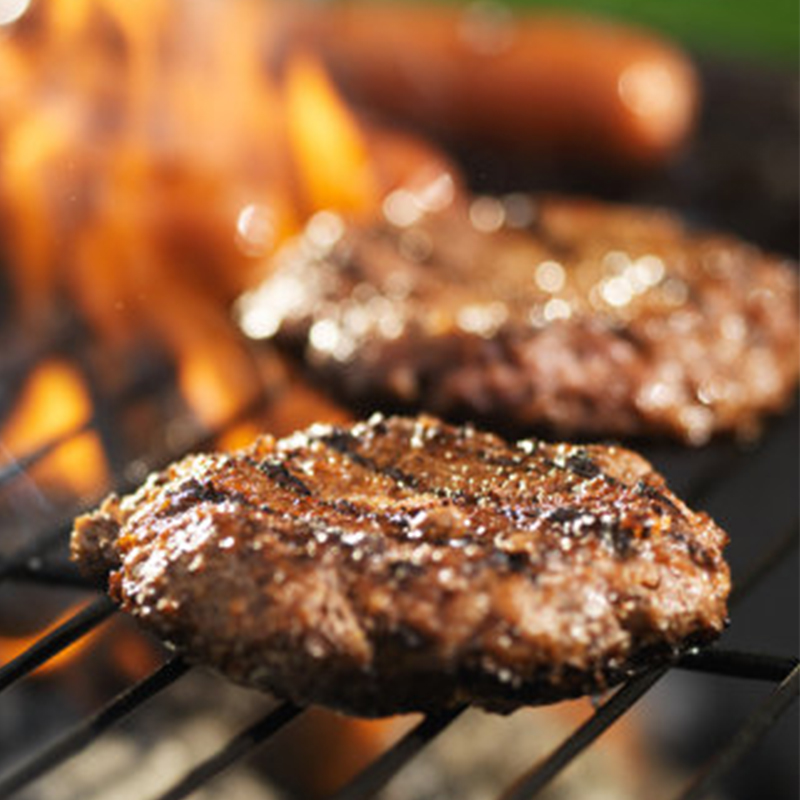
(585, 317)
(403, 564)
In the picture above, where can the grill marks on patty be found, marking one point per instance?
(482, 493)
(404, 564)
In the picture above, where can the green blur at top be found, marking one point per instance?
(762, 29)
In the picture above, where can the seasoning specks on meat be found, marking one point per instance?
(585, 317)
(404, 564)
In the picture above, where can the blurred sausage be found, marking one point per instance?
(546, 83)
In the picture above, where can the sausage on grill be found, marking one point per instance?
(543, 83)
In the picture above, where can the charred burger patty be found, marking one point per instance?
(404, 564)
(584, 317)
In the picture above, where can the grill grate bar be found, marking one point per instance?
(754, 728)
(83, 734)
(237, 748)
(57, 640)
(736, 664)
(19, 466)
(61, 531)
(125, 397)
(49, 575)
(372, 779)
(541, 775)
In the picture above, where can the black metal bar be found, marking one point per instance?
(20, 465)
(372, 779)
(90, 729)
(55, 575)
(754, 728)
(753, 666)
(125, 397)
(57, 640)
(61, 531)
(608, 713)
(237, 748)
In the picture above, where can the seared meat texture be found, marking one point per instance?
(584, 317)
(403, 564)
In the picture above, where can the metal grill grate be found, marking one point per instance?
(719, 467)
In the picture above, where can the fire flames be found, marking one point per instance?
(55, 407)
(13, 646)
(152, 153)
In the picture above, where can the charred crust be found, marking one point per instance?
(406, 564)
(192, 491)
(280, 473)
(582, 465)
(345, 443)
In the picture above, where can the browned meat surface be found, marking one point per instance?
(584, 317)
(404, 564)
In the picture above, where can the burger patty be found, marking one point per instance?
(403, 564)
(585, 317)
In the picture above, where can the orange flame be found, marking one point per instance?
(54, 403)
(159, 122)
(329, 149)
(151, 157)
(116, 645)
(13, 646)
